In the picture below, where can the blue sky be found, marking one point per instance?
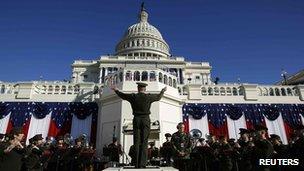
(252, 40)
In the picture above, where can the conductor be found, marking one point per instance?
(140, 103)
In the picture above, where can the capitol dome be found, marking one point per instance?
(142, 39)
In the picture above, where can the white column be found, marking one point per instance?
(106, 71)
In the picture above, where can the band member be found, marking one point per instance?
(225, 154)
(181, 142)
(115, 150)
(245, 150)
(140, 103)
(33, 161)
(166, 150)
(263, 149)
(153, 152)
(12, 151)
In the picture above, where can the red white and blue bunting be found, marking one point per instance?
(50, 118)
(226, 119)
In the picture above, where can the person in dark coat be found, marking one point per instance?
(263, 148)
(166, 151)
(225, 154)
(12, 151)
(33, 162)
(181, 142)
(245, 150)
(140, 103)
(115, 150)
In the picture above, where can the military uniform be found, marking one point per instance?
(263, 149)
(182, 147)
(166, 151)
(115, 152)
(140, 103)
(11, 160)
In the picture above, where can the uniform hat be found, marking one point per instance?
(168, 135)
(274, 136)
(37, 137)
(141, 84)
(244, 131)
(261, 128)
(232, 140)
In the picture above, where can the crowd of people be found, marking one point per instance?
(60, 154)
(181, 150)
(185, 152)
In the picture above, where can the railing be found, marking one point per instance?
(278, 91)
(133, 74)
(50, 88)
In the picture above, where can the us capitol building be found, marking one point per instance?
(143, 55)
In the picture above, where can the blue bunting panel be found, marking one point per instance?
(254, 113)
(61, 111)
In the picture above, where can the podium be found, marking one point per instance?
(148, 168)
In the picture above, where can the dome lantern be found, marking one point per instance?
(142, 39)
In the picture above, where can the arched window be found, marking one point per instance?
(222, 90)
(283, 91)
(174, 83)
(57, 89)
(216, 91)
(136, 76)
(265, 92)
(144, 76)
(277, 92)
(289, 92)
(128, 76)
(120, 77)
(63, 89)
(2, 89)
(228, 90)
(234, 91)
(179, 90)
(271, 93)
(170, 81)
(50, 90)
(210, 91)
(16, 88)
(165, 79)
(295, 91)
(160, 77)
(76, 89)
(204, 91)
(241, 91)
(152, 76)
(43, 90)
(260, 91)
(70, 90)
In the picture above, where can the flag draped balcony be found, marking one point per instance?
(49, 118)
(280, 118)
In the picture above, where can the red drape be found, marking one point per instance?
(218, 131)
(25, 128)
(54, 131)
